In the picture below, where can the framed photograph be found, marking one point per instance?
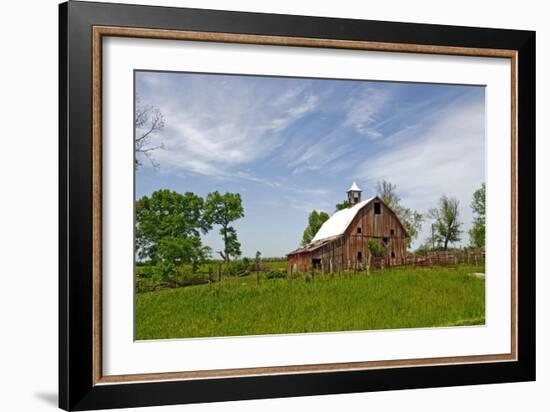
(256, 205)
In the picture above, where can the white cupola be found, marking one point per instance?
(354, 195)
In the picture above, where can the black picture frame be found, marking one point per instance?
(77, 390)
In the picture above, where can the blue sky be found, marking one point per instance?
(291, 145)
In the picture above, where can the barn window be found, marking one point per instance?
(359, 256)
(358, 230)
(377, 208)
(392, 232)
(385, 240)
(392, 254)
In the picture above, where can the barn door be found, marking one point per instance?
(316, 263)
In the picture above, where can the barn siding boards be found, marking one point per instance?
(342, 252)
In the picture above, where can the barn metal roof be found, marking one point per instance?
(339, 222)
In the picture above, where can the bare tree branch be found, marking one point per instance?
(148, 121)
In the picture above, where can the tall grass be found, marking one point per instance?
(396, 298)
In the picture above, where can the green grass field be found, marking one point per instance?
(389, 299)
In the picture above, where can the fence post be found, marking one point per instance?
(368, 264)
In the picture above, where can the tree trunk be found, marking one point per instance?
(226, 255)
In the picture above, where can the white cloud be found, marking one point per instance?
(318, 154)
(364, 109)
(444, 155)
(216, 128)
(364, 112)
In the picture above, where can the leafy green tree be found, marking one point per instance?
(411, 219)
(315, 221)
(446, 224)
(477, 232)
(222, 210)
(180, 250)
(232, 245)
(342, 205)
(171, 223)
(162, 270)
(434, 239)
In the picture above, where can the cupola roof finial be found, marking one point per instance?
(354, 188)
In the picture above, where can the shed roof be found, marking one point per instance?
(339, 222)
(310, 247)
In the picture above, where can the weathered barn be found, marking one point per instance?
(342, 241)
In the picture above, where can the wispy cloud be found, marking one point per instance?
(216, 126)
(360, 113)
(319, 154)
(442, 154)
(364, 111)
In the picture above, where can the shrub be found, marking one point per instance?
(152, 276)
(237, 267)
(275, 275)
(376, 248)
(143, 271)
(296, 275)
(162, 270)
